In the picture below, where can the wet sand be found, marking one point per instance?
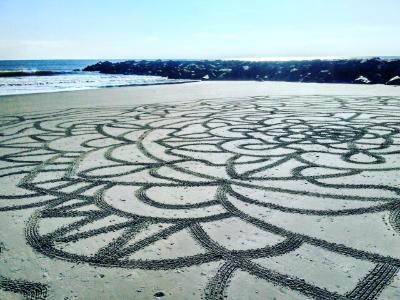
(243, 190)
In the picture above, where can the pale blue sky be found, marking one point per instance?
(40, 29)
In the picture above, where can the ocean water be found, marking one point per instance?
(67, 79)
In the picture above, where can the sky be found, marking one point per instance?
(203, 29)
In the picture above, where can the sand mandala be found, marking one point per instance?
(299, 192)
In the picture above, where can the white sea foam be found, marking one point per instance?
(70, 82)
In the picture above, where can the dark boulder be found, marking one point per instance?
(394, 81)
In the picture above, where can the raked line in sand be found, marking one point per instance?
(287, 197)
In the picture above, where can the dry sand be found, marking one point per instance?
(183, 92)
(243, 190)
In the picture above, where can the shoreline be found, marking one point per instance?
(186, 82)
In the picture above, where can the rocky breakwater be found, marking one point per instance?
(361, 71)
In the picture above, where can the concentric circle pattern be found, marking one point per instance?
(302, 192)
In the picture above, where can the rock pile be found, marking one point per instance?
(362, 71)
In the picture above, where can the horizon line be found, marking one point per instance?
(256, 58)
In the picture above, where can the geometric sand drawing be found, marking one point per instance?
(302, 193)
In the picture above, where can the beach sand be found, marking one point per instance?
(243, 190)
(183, 92)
